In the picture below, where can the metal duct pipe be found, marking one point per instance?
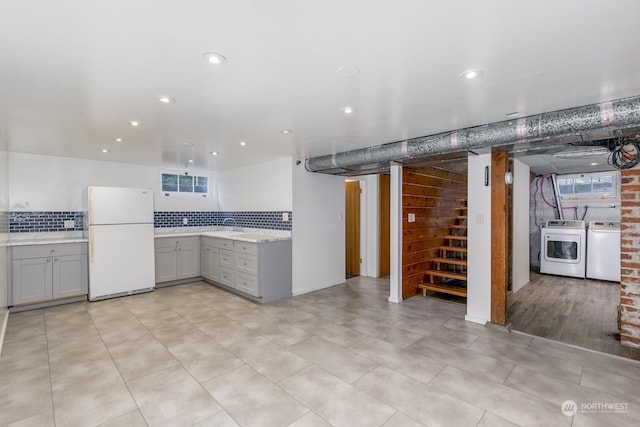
(615, 115)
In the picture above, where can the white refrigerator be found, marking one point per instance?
(119, 226)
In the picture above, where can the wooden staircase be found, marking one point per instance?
(451, 263)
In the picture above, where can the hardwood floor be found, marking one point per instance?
(575, 311)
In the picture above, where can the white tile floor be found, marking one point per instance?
(343, 356)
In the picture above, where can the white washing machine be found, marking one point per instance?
(563, 248)
(603, 250)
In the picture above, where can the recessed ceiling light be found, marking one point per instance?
(119, 140)
(134, 123)
(214, 153)
(594, 164)
(348, 110)
(166, 99)
(348, 71)
(190, 160)
(104, 150)
(472, 74)
(243, 143)
(512, 114)
(214, 58)
(285, 131)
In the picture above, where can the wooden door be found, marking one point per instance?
(384, 226)
(352, 227)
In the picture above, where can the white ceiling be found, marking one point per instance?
(74, 72)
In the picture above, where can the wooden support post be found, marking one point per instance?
(499, 164)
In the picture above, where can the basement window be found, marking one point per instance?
(601, 185)
(184, 183)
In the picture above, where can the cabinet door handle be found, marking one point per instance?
(52, 250)
(48, 259)
(55, 259)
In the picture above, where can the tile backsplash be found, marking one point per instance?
(43, 221)
(40, 221)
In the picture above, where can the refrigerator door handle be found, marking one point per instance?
(91, 245)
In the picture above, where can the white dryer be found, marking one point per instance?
(603, 250)
(563, 248)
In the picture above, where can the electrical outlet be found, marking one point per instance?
(285, 216)
(185, 221)
(412, 217)
(70, 223)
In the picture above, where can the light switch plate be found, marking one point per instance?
(285, 216)
(412, 217)
(185, 221)
(69, 223)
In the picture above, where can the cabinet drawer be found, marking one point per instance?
(173, 242)
(247, 248)
(224, 244)
(247, 283)
(209, 241)
(247, 263)
(226, 258)
(43, 251)
(226, 276)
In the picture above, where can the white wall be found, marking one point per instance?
(55, 183)
(369, 225)
(262, 187)
(4, 235)
(318, 230)
(520, 250)
(479, 250)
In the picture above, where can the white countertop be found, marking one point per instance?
(251, 235)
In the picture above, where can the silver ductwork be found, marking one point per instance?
(575, 124)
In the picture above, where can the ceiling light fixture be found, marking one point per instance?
(214, 153)
(594, 164)
(286, 131)
(243, 143)
(104, 150)
(166, 99)
(348, 71)
(348, 110)
(190, 160)
(214, 58)
(577, 154)
(513, 114)
(119, 140)
(472, 74)
(134, 123)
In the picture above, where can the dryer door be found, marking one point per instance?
(563, 248)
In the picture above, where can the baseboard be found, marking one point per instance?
(317, 288)
(4, 318)
(475, 319)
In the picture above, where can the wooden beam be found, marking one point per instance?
(499, 165)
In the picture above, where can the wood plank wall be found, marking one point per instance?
(432, 194)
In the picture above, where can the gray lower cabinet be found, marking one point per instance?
(209, 259)
(260, 271)
(177, 258)
(41, 273)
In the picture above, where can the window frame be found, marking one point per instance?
(592, 195)
(195, 177)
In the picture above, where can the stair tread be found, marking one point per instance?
(453, 290)
(446, 274)
(452, 248)
(455, 237)
(453, 261)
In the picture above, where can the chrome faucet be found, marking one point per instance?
(235, 224)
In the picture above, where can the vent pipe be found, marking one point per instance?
(614, 116)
